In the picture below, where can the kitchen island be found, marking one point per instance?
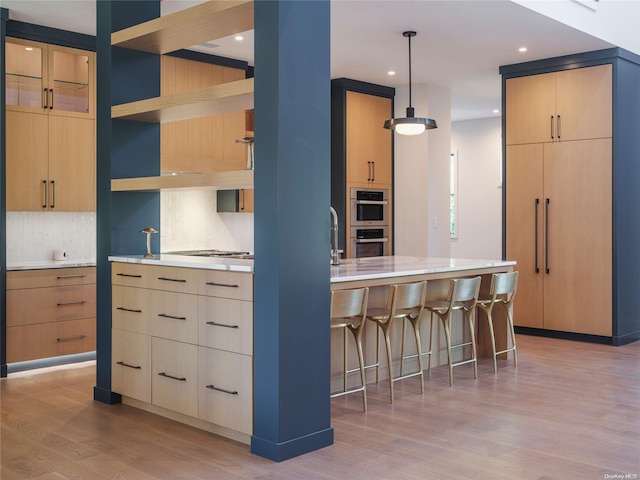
(182, 329)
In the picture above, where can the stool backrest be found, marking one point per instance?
(405, 296)
(349, 303)
(465, 289)
(504, 283)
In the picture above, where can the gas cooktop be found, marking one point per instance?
(212, 253)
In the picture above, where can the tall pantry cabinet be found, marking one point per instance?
(50, 111)
(562, 198)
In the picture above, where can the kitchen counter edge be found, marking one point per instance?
(210, 263)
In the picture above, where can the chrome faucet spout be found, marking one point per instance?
(335, 253)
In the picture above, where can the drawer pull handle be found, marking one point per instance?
(180, 280)
(182, 379)
(128, 310)
(222, 325)
(217, 389)
(137, 367)
(76, 337)
(64, 277)
(65, 304)
(128, 275)
(214, 284)
(164, 315)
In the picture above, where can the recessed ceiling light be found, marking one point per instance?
(29, 49)
(522, 49)
(239, 38)
(391, 72)
(496, 111)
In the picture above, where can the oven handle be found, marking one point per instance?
(371, 202)
(371, 240)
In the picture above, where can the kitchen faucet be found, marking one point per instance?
(335, 253)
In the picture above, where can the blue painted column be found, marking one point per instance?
(292, 228)
(124, 149)
(4, 16)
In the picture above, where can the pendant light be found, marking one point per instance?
(410, 125)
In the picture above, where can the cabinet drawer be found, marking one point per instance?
(174, 279)
(225, 395)
(51, 304)
(131, 364)
(28, 342)
(215, 283)
(226, 324)
(174, 376)
(52, 277)
(173, 316)
(130, 308)
(130, 274)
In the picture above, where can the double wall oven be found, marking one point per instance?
(369, 229)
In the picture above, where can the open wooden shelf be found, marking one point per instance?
(221, 98)
(191, 26)
(191, 181)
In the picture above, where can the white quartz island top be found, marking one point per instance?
(371, 268)
(169, 260)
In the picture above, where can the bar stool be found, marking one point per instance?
(463, 296)
(406, 302)
(503, 292)
(349, 311)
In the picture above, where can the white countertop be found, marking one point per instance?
(393, 266)
(43, 264)
(348, 270)
(212, 263)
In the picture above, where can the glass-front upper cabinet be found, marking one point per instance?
(49, 78)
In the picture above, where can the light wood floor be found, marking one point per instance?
(569, 410)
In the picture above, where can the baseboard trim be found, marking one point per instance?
(280, 451)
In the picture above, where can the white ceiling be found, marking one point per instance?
(460, 43)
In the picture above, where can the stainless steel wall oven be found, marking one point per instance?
(369, 207)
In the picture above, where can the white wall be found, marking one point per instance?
(33, 236)
(478, 146)
(615, 21)
(189, 221)
(421, 180)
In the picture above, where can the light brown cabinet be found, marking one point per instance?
(368, 158)
(183, 342)
(205, 144)
(559, 106)
(50, 163)
(559, 198)
(559, 231)
(50, 127)
(50, 313)
(49, 79)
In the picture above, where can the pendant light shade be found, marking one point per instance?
(410, 125)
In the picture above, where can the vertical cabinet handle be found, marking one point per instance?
(368, 171)
(558, 128)
(242, 199)
(373, 171)
(45, 98)
(44, 194)
(537, 203)
(51, 106)
(53, 194)
(551, 127)
(546, 236)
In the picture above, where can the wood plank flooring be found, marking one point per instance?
(569, 410)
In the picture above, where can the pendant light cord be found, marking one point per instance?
(409, 37)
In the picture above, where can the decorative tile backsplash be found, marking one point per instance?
(189, 221)
(34, 236)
